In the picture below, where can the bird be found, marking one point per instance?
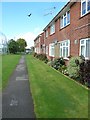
(29, 15)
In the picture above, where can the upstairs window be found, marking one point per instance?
(65, 19)
(52, 29)
(85, 7)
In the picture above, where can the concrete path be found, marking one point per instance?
(16, 98)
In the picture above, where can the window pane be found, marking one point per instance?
(61, 24)
(66, 43)
(83, 50)
(52, 51)
(82, 42)
(83, 7)
(63, 43)
(66, 51)
(61, 52)
(65, 21)
(60, 44)
(68, 17)
(88, 48)
(88, 5)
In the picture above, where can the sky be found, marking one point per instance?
(16, 23)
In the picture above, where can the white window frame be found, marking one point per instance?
(62, 19)
(51, 46)
(84, 44)
(52, 29)
(61, 47)
(86, 7)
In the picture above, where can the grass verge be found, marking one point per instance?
(9, 63)
(54, 95)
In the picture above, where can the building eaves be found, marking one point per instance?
(65, 8)
(38, 36)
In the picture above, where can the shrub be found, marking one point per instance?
(46, 61)
(84, 72)
(57, 63)
(63, 69)
(34, 54)
(42, 57)
(50, 63)
(73, 68)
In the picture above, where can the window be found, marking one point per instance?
(51, 49)
(65, 19)
(85, 7)
(52, 29)
(85, 47)
(64, 48)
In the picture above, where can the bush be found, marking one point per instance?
(57, 63)
(34, 54)
(42, 57)
(84, 72)
(73, 68)
(63, 69)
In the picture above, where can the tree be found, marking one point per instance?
(22, 44)
(12, 46)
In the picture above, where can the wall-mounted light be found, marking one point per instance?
(75, 41)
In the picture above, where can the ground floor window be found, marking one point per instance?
(51, 49)
(64, 48)
(85, 47)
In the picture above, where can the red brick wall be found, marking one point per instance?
(77, 29)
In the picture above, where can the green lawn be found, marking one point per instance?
(9, 63)
(54, 95)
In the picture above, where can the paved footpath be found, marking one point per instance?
(16, 98)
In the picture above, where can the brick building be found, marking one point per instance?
(38, 43)
(68, 33)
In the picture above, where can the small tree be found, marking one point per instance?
(22, 44)
(12, 46)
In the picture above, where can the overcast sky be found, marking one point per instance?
(16, 23)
